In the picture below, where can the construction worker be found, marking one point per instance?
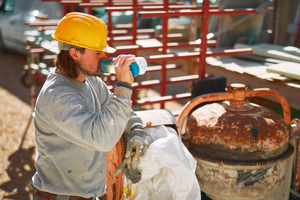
(77, 119)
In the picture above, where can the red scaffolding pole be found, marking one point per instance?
(204, 32)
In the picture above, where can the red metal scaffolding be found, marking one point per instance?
(131, 33)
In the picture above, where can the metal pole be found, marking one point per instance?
(109, 27)
(163, 74)
(134, 23)
(204, 31)
(276, 17)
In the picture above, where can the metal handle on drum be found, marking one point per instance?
(236, 94)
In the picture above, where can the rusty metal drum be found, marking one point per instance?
(242, 149)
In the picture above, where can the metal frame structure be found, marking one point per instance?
(165, 11)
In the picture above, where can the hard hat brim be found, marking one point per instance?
(109, 49)
(106, 49)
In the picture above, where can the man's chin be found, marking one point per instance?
(98, 73)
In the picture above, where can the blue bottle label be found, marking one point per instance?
(135, 69)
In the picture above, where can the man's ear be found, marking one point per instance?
(73, 53)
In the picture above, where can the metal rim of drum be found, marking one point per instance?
(283, 156)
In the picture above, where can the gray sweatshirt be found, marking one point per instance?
(75, 125)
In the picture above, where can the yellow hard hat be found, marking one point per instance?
(83, 30)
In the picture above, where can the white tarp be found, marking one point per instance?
(168, 170)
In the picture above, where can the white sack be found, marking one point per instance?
(168, 170)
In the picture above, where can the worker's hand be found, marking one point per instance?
(130, 169)
(122, 69)
(136, 147)
(138, 144)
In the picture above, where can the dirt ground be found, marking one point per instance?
(17, 146)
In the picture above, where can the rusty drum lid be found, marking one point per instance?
(250, 132)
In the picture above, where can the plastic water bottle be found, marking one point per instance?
(139, 67)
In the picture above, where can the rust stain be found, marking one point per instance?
(249, 129)
(148, 124)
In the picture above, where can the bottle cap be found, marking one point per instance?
(135, 69)
(142, 64)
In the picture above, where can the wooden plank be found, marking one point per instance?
(289, 89)
(260, 59)
(245, 67)
(288, 69)
(288, 53)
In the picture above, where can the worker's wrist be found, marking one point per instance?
(137, 128)
(124, 84)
